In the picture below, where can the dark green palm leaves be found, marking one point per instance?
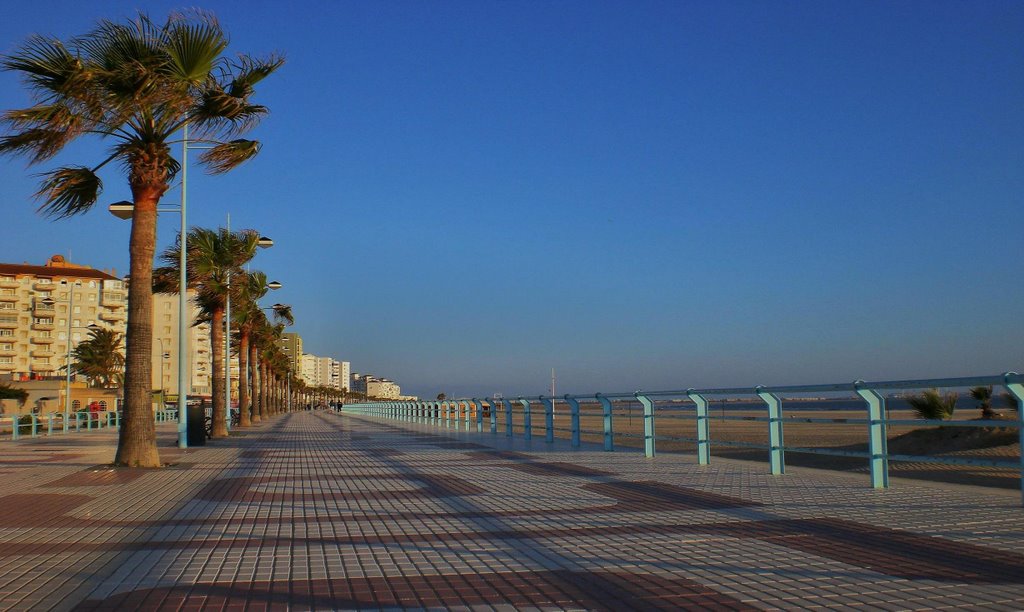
(136, 83)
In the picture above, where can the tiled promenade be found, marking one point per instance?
(320, 511)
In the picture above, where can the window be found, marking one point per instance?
(6, 332)
(78, 309)
(167, 305)
(6, 346)
(76, 405)
(167, 317)
(167, 330)
(8, 306)
(6, 359)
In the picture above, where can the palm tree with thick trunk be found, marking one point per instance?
(138, 85)
(214, 257)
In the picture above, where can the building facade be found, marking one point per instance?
(291, 345)
(45, 311)
(165, 348)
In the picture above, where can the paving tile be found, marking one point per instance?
(319, 510)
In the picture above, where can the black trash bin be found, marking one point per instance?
(196, 431)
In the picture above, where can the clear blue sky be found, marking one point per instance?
(641, 195)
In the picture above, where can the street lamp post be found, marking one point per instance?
(50, 302)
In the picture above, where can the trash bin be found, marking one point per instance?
(196, 431)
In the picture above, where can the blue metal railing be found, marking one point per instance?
(469, 414)
(34, 425)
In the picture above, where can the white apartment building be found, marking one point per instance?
(310, 371)
(382, 388)
(46, 310)
(340, 372)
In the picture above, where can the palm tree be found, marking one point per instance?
(214, 257)
(984, 397)
(933, 405)
(137, 84)
(100, 358)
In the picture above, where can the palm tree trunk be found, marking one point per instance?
(264, 395)
(220, 424)
(136, 442)
(243, 379)
(254, 377)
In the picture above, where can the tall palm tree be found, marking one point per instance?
(214, 257)
(137, 84)
(99, 358)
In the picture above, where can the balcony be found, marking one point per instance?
(45, 286)
(8, 324)
(8, 352)
(39, 307)
(40, 326)
(41, 353)
(8, 297)
(6, 367)
(42, 339)
(9, 283)
(43, 367)
(112, 300)
(112, 316)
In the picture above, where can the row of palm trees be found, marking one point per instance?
(141, 86)
(217, 271)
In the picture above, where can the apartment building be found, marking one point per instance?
(47, 309)
(340, 371)
(291, 345)
(165, 348)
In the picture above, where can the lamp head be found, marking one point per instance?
(274, 285)
(264, 243)
(122, 209)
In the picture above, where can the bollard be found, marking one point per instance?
(574, 411)
(606, 407)
(776, 453)
(549, 419)
(649, 439)
(703, 427)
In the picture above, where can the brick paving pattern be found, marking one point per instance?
(318, 511)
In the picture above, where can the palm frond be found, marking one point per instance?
(251, 71)
(46, 65)
(283, 312)
(39, 144)
(194, 48)
(69, 191)
(228, 155)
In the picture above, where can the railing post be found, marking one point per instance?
(35, 426)
(549, 419)
(447, 407)
(574, 415)
(609, 437)
(467, 415)
(479, 406)
(776, 454)
(508, 417)
(527, 419)
(1015, 385)
(78, 422)
(703, 427)
(877, 439)
(49, 427)
(494, 416)
(15, 427)
(650, 448)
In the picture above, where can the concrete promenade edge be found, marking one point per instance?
(316, 510)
